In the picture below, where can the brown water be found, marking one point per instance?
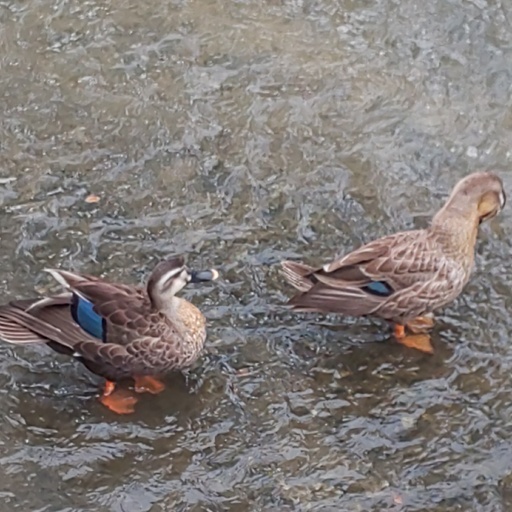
(245, 132)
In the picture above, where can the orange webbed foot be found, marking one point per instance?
(120, 401)
(419, 342)
(147, 384)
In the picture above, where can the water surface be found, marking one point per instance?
(243, 133)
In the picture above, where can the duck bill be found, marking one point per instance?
(203, 276)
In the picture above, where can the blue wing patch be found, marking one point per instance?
(85, 316)
(380, 288)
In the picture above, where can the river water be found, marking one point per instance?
(242, 133)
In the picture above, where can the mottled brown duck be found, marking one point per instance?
(403, 278)
(117, 331)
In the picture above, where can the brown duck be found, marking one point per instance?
(117, 331)
(404, 277)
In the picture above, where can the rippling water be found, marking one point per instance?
(243, 133)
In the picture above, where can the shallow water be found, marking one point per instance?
(243, 133)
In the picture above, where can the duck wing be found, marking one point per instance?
(359, 283)
(49, 321)
(111, 312)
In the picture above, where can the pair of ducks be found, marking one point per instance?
(124, 332)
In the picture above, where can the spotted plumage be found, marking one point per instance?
(405, 276)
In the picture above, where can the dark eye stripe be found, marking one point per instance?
(170, 280)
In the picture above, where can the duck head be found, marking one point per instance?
(479, 196)
(170, 276)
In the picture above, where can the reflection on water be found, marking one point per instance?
(243, 133)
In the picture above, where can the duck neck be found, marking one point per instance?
(456, 227)
(188, 321)
(168, 306)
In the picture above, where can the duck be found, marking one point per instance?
(403, 278)
(116, 331)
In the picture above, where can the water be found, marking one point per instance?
(243, 133)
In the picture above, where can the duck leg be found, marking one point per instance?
(421, 324)
(147, 384)
(120, 401)
(418, 341)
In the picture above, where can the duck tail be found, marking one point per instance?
(47, 320)
(299, 275)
